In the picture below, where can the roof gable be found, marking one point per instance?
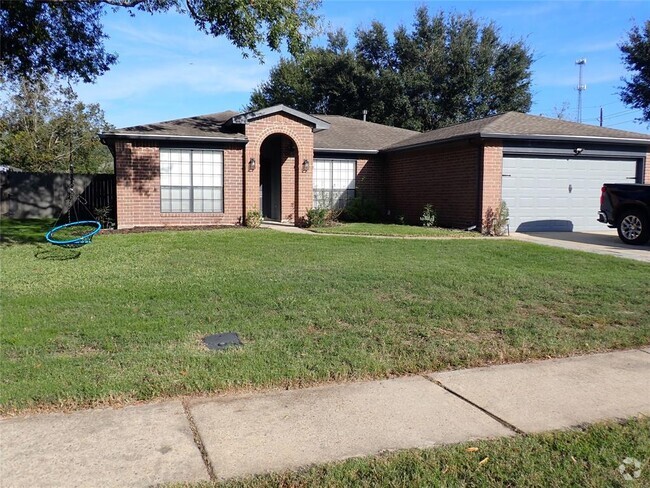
(247, 117)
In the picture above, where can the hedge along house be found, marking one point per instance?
(213, 169)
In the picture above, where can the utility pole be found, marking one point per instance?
(581, 86)
(601, 116)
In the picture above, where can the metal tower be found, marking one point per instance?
(581, 86)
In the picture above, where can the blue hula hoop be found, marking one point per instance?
(78, 241)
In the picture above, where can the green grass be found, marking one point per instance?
(121, 319)
(583, 458)
(13, 231)
(392, 230)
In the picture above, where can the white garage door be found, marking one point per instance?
(559, 194)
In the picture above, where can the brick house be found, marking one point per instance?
(213, 169)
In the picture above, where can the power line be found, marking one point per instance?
(619, 114)
(621, 123)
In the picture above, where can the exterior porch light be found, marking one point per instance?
(251, 164)
(305, 165)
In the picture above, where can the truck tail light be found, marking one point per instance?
(602, 195)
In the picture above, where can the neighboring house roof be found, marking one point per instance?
(356, 136)
(515, 125)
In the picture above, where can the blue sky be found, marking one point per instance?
(167, 69)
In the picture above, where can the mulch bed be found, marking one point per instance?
(141, 230)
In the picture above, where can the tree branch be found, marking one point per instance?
(193, 13)
(115, 3)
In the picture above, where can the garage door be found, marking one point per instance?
(559, 194)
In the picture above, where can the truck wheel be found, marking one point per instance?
(633, 227)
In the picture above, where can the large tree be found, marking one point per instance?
(446, 69)
(636, 56)
(66, 37)
(44, 127)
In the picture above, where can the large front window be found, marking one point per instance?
(191, 180)
(334, 182)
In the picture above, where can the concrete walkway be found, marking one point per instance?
(217, 438)
(284, 227)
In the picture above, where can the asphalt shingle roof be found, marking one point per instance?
(515, 124)
(347, 133)
(210, 125)
(353, 134)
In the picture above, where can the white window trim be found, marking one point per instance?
(191, 185)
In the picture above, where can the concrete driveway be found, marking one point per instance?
(601, 242)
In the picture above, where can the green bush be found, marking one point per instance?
(253, 218)
(319, 217)
(428, 217)
(361, 209)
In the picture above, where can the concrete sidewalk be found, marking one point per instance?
(236, 435)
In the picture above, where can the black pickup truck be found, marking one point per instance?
(626, 207)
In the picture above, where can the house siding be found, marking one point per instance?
(371, 180)
(444, 176)
(137, 174)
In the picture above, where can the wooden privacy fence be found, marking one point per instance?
(43, 195)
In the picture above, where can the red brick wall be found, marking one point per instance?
(137, 172)
(492, 176)
(371, 180)
(296, 184)
(445, 176)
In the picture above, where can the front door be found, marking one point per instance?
(271, 188)
(271, 161)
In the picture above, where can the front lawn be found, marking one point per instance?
(14, 231)
(392, 230)
(122, 319)
(589, 458)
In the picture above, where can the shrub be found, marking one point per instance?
(321, 217)
(104, 216)
(253, 218)
(428, 217)
(361, 209)
(496, 221)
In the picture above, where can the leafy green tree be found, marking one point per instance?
(446, 69)
(66, 38)
(44, 127)
(636, 56)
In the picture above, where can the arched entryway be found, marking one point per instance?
(277, 158)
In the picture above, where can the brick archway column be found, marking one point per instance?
(492, 177)
(296, 184)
